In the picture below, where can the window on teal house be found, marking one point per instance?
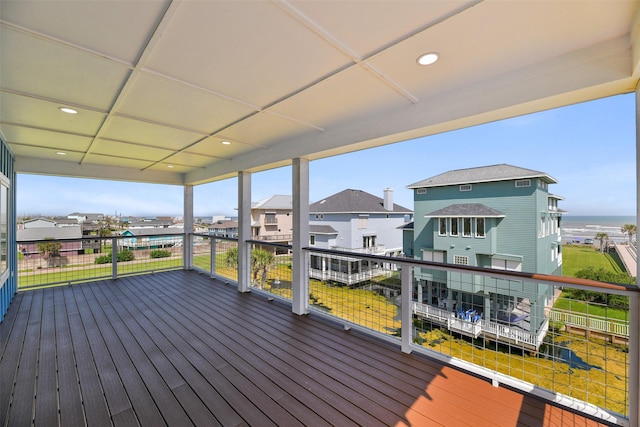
(454, 226)
(480, 227)
(442, 226)
(466, 227)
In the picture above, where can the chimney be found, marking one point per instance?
(388, 199)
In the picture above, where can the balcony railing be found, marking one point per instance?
(533, 332)
(66, 261)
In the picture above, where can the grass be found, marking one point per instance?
(579, 257)
(76, 273)
(604, 386)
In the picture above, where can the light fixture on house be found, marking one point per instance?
(170, 166)
(428, 58)
(61, 153)
(226, 142)
(68, 110)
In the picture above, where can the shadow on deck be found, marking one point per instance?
(180, 349)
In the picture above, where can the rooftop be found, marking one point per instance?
(354, 201)
(492, 173)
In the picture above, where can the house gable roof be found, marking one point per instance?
(140, 232)
(43, 233)
(354, 201)
(501, 172)
(278, 201)
(322, 229)
(467, 210)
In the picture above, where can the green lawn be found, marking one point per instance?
(36, 278)
(578, 257)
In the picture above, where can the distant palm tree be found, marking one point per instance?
(630, 230)
(604, 240)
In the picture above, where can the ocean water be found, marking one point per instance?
(583, 227)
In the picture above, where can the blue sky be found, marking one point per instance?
(589, 148)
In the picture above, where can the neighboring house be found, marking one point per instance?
(151, 223)
(39, 223)
(355, 221)
(86, 217)
(271, 219)
(501, 217)
(37, 234)
(224, 228)
(66, 222)
(151, 238)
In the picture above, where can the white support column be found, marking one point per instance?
(187, 217)
(300, 188)
(634, 301)
(244, 231)
(406, 307)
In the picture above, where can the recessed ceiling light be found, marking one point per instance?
(428, 58)
(170, 166)
(61, 153)
(226, 143)
(68, 110)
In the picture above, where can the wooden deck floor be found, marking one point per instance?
(180, 349)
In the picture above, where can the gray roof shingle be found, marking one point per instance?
(278, 201)
(322, 229)
(354, 201)
(42, 233)
(468, 210)
(501, 172)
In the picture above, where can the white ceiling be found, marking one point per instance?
(158, 85)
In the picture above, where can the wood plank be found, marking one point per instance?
(150, 379)
(138, 394)
(109, 380)
(171, 343)
(23, 399)
(273, 356)
(94, 404)
(143, 330)
(70, 399)
(210, 362)
(367, 387)
(46, 392)
(13, 329)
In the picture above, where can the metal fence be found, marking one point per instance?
(65, 261)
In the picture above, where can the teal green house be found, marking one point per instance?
(501, 217)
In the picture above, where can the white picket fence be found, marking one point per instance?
(592, 323)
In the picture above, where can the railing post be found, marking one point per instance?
(634, 299)
(244, 230)
(634, 359)
(300, 239)
(187, 244)
(406, 307)
(114, 258)
(187, 251)
(212, 249)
